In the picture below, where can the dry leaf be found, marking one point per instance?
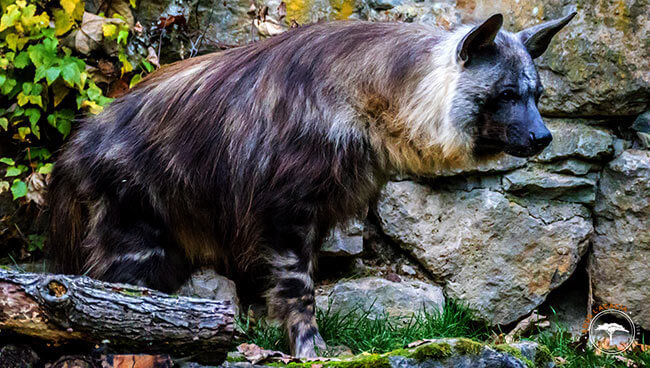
(256, 354)
(36, 188)
(268, 27)
(91, 33)
(122, 8)
(152, 57)
(525, 325)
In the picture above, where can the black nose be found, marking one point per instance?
(540, 140)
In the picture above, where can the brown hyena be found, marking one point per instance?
(244, 159)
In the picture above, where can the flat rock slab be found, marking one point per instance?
(499, 253)
(379, 296)
(438, 353)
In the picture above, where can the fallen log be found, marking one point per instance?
(127, 319)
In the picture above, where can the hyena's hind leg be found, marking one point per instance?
(129, 244)
(292, 301)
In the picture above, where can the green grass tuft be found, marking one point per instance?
(379, 335)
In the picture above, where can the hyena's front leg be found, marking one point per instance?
(292, 301)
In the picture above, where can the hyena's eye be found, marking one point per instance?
(508, 95)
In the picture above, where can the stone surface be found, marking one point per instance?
(534, 180)
(499, 253)
(597, 65)
(576, 140)
(380, 296)
(344, 240)
(437, 353)
(620, 260)
(208, 284)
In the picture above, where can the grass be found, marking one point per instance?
(562, 345)
(379, 335)
(384, 334)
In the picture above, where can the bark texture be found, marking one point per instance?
(127, 318)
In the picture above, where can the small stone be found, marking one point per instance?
(379, 296)
(344, 240)
(207, 284)
(408, 270)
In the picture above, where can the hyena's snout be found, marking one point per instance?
(539, 136)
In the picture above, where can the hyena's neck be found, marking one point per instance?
(404, 87)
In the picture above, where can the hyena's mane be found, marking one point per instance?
(217, 150)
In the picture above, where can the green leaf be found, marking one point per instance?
(4, 123)
(33, 114)
(18, 189)
(135, 80)
(64, 126)
(13, 171)
(8, 161)
(8, 86)
(94, 92)
(22, 60)
(27, 88)
(45, 169)
(148, 66)
(3, 78)
(51, 74)
(71, 74)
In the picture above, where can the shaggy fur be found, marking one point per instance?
(244, 160)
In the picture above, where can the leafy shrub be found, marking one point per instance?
(45, 82)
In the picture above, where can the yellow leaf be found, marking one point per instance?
(23, 131)
(22, 99)
(109, 29)
(93, 107)
(21, 3)
(132, 2)
(62, 22)
(75, 8)
(69, 5)
(60, 91)
(36, 100)
(12, 41)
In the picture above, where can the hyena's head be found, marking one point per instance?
(498, 87)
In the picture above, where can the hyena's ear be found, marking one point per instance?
(479, 36)
(537, 38)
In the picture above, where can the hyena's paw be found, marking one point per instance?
(309, 345)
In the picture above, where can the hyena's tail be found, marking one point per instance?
(67, 225)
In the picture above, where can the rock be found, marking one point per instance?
(572, 167)
(435, 353)
(384, 4)
(208, 284)
(500, 163)
(408, 270)
(499, 253)
(379, 296)
(642, 128)
(621, 246)
(345, 240)
(547, 185)
(572, 139)
(594, 67)
(18, 356)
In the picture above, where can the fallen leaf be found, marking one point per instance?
(525, 325)
(91, 32)
(268, 27)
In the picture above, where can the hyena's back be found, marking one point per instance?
(220, 160)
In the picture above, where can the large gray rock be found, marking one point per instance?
(499, 253)
(620, 261)
(380, 296)
(534, 180)
(344, 240)
(437, 353)
(577, 139)
(597, 65)
(207, 284)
